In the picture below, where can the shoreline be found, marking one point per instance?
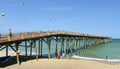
(12, 53)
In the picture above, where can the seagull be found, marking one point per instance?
(50, 18)
(2, 14)
(22, 5)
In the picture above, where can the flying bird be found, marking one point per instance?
(22, 5)
(50, 18)
(2, 14)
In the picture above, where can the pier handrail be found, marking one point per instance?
(29, 35)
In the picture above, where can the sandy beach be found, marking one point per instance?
(53, 63)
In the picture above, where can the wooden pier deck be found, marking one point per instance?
(68, 40)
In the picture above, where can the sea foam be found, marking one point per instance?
(97, 59)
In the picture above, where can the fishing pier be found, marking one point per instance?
(67, 41)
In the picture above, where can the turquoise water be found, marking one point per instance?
(111, 50)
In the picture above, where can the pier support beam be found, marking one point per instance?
(17, 52)
(84, 39)
(26, 48)
(57, 50)
(36, 50)
(71, 47)
(6, 50)
(79, 45)
(39, 47)
(49, 43)
(65, 47)
(31, 48)
(76, 46)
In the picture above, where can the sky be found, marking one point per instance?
(97, 17)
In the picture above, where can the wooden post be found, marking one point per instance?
(48, 42)
(61, 46)
(88, 42)
(57, 50)
(35, 50)
(31, 49)
(65, 47)
(26, 48)
(79, 45)
(39, 47)
(71, 47)
(17, 53)
(6, 50)
(76, 46)
(84, 43)
(95, 42)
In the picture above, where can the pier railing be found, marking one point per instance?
(30, 35)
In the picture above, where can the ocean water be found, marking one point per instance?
(110, 50)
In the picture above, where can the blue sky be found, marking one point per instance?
(99, 17)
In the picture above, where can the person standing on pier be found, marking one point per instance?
(0, 35)
(9, 35)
